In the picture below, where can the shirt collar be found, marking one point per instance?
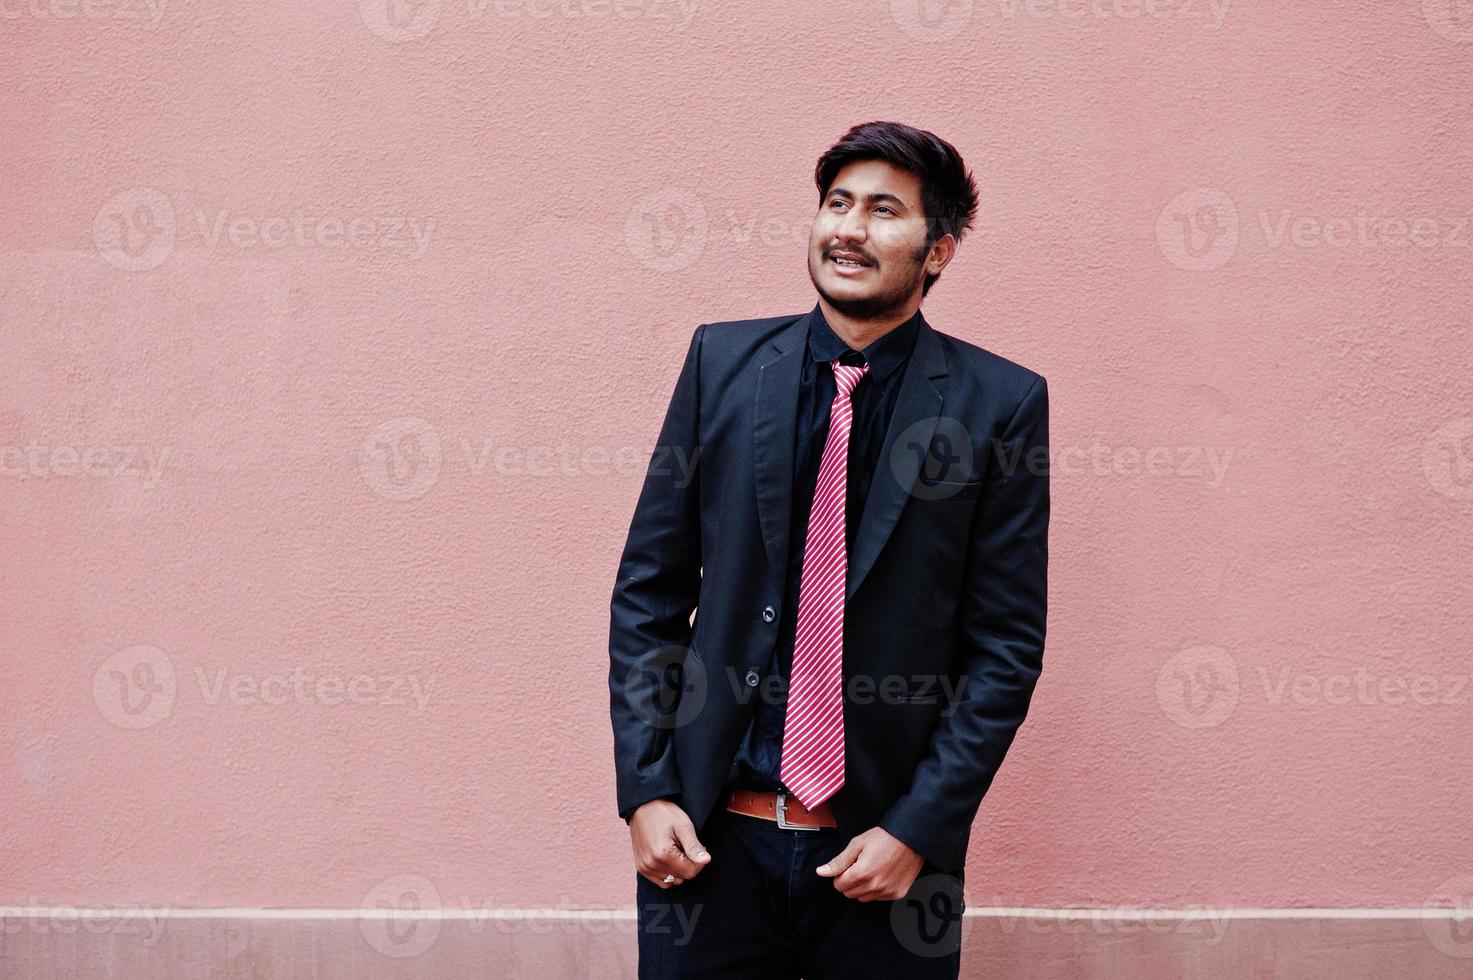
(883, 355)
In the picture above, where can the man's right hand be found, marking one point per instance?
(664, 842)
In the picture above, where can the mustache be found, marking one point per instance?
(829, 253)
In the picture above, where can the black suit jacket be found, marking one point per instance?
(946, 594)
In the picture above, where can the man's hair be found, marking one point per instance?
(948, 192)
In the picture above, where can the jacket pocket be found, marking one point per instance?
(910, 697)
(951, 490)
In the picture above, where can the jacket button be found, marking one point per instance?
(769, 614)
(752, 678)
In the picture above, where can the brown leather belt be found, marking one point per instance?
(782, 807)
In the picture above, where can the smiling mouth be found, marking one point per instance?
(849, 264)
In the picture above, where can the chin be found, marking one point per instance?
(849, 287)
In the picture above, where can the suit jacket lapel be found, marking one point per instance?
(918, 405)
(774, 427)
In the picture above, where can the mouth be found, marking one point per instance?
(848, 263)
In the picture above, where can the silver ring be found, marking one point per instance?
(669, 878)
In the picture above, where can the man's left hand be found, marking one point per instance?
(874, 867)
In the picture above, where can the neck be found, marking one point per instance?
(859, 334)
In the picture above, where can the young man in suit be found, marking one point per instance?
(855, 506)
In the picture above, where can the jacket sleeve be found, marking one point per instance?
(655, 592)
(1000, 643)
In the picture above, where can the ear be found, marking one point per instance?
(941, 254)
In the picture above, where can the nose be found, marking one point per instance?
(851, 226)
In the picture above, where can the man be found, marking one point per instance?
(855, 506)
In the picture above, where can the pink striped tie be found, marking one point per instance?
(813, 726)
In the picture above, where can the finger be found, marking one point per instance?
(856, 878)
(842, 861)
(690, 846)
(658, 879)
(674, 854)
(863, 889)
(667, 859)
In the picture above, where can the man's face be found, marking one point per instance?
(872, 213)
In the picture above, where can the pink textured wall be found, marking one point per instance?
(334, 336)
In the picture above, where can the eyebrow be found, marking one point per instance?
(872, 198)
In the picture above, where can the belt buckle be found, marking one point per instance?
(782, 815)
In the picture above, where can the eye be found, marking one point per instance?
(886, 207)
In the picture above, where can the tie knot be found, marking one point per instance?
(846, 376)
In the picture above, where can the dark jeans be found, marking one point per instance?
(760, 910)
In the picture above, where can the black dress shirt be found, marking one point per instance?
(755, 765)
